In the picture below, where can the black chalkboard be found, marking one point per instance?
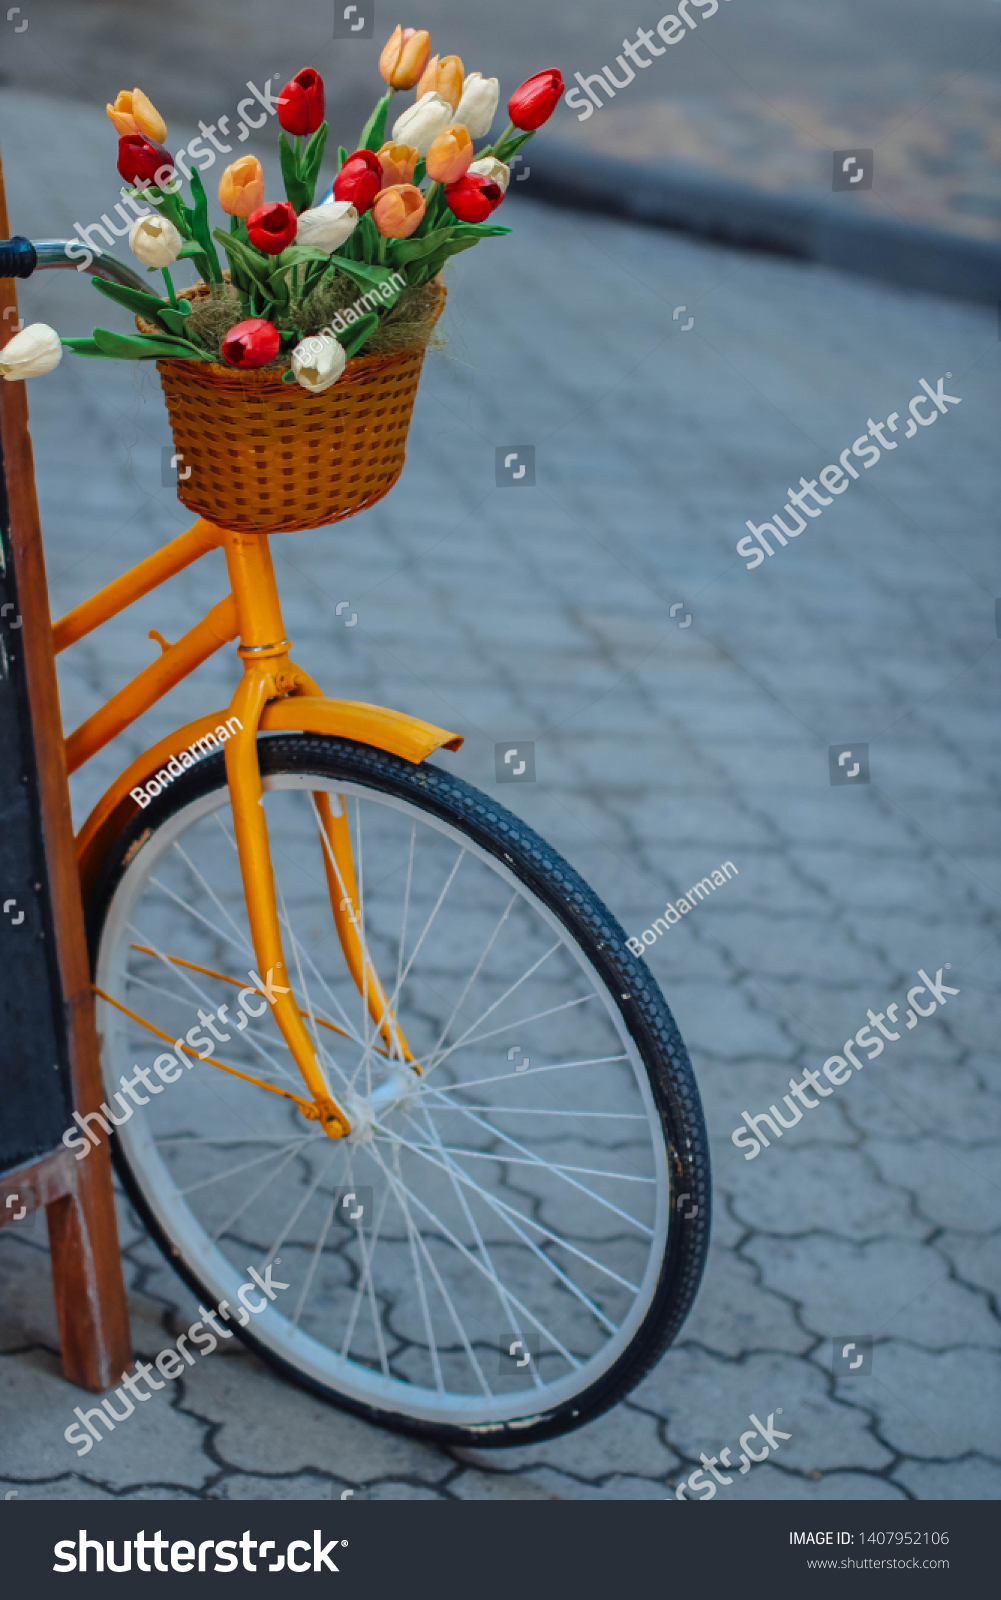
(35, 1103)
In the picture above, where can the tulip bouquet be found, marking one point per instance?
(310, 285)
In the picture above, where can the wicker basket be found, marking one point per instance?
(269, 457)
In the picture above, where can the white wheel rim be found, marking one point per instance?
(454, 1297)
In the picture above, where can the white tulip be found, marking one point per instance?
(490, 167)
(32, 352)
(325, 227)
(421, 123)
(478, 106)
(318, 362)
(155, 241)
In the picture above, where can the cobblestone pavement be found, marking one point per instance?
(663, 749)
(762, 90)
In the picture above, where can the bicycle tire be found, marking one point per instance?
(496, 833)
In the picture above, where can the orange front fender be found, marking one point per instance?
(407, 737)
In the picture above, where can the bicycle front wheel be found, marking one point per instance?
(509, 1239)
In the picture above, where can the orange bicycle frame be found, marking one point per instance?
(273, 694)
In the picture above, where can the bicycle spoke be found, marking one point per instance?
(508, 1214)
(401, 1189)
(430, 1066)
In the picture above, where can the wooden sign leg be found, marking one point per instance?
(87, 1279)
(86, 1264)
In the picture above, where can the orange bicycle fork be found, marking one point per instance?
(252, 611)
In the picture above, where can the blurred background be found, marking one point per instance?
(671, 387)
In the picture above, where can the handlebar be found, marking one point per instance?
(19, 258)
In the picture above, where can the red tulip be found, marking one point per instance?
(141, 160)
(251, 344)
(474, 197)
(535, 101)
(359, 180)
(272, 228)
(301, 102)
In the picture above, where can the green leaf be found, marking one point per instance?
(174, 319)
(311, 158)
(289, 376)
(188, 251)
(481, 230)
(369, 239)
(432, 265)
(373, 135)
(135, 300)
(420, 172)
(297, 253)
(356, 335)
(83, 347)
(199, 222)
(259, 266)
(403, 250)
(508, 147)
(363, 272)
(147, 347)
(170, 205)
(342, 156)
(299, 196)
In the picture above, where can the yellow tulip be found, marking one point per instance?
(398, 210)
(443, 77)
(241, 187)
(403, 57)
(450, 154)
(132, 112)
(398, 162)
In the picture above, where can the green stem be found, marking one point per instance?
(298, 155)
(381, 250)
(170, 287)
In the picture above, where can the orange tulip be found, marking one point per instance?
(402, 60)
(398, 162)
(444, 77)
(241, 187)
(450, 154)
(133, 113)
(398, 210)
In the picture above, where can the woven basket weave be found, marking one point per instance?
(269, 457)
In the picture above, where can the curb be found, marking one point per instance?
(669, 196)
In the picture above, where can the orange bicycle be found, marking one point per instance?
(364, 1028)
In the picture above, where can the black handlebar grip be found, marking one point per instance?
(18, 258)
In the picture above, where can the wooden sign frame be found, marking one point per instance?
(79, 1203)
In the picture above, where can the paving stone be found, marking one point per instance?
(623, 1440)
(473, 1485)
(707, 1401)
(733, 1313)
(258, 1486)
(833, 1188)
(290, 1431)
(889, 1289)
(958, 1188)
(38, 1405)
(933, 1405)
(975, 1478)
(766, 1482)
